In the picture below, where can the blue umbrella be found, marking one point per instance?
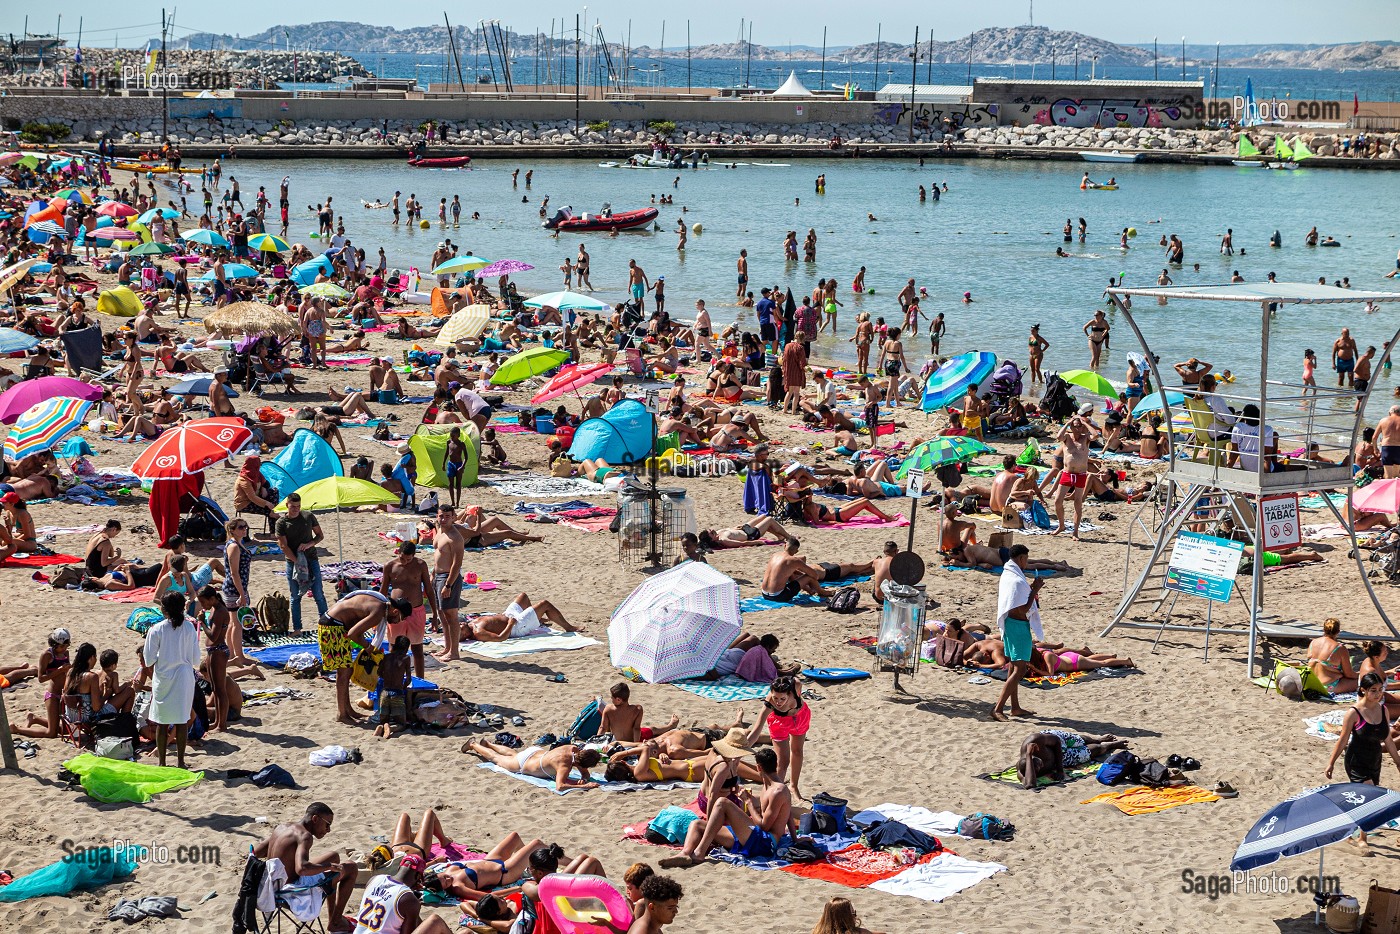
(167, 213)
(207, 237)
(232, 271)
(1153, 401)
(198, 386)
(1315, 819)
(12, 341)
(948, 383)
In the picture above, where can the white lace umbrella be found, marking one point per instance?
(676, 624)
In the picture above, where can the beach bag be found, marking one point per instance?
(670, 825)
(845, 600)
(1382, 911)
(275, 614)
(115, 747)
(67, 576)
(1011, 517)
(365, 671)
(829, 804)
(1122, 766)
(981, 826)
(949, 652)
(817, 822)
(801, 851)
(1154, 774)
(1040, 516)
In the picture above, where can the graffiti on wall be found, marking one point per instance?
(1088, 112)
(935, 116)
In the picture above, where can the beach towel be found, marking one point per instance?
(855, 866)
(111, 780)
(1143, 800)
(38, 561)
(588, 523)
(529, 645)
(1325, 530)
(544, 487)
(932, 881)
(938, 824)
(725, 690)
(1033, 530)
(543, 509)
(46, 531)
(96, 868)
(1316, 727)
(1008, 776)
(134, 595)
(548, 784)
(759, 603)
(1315, 500)
(275, 656)
(864, 522)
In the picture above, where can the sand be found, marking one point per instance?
(1071, 866)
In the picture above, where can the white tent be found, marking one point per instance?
(792, 87)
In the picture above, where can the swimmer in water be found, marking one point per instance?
(871, 217)
(1060, 251)
(967, 298)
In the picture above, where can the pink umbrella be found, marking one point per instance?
(503, 267)
(18, 398)
(116, 209)
(115, 233)
(571, 379)
(1380, 496)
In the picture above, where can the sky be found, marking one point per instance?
(1123, 21)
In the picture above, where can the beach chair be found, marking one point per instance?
(1206, 448)
(72, 727)
(272, 921)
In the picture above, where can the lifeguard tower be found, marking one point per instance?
(1317, 430)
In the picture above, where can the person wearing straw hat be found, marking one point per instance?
(752, 828)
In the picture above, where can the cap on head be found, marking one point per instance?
(1086, 409)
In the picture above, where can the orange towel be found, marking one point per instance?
(1143, 800)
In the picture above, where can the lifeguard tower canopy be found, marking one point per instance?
(1321, 424)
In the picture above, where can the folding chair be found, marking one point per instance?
(71, 726)
(272, 921)
(1202, 419)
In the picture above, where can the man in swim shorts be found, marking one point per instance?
(788, 574)
(755, 835)
(637, 281)
(407, 576)
(521, 618)
(448, 546)
(1074, 478)
(1388, 440)
(342, 632)
(1344, 357)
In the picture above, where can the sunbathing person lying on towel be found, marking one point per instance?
(1050, 752)
(973, 555)
(557, 764)
(521, 618)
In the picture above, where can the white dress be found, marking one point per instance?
(173, 655)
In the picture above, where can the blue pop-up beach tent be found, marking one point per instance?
(307, 458)
(622, 435)
(306, 273)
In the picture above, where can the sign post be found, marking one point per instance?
(1204, 566)
(1281, 526)
(914, 489)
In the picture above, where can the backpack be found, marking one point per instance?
(275, 614)
(1156, 775)
(1121, 766)
(845, 600)
(981, 826)
(588, 722)
(833, 808)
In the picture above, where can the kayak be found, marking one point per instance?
(441, 162)
(620, 220)
(156, 169)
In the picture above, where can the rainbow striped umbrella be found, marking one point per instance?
(948, 383)
(44, 424)
(267, 243)
(73, 194)
(677, 624)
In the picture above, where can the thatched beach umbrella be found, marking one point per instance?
(251, 318)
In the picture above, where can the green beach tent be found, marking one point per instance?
(429, 447)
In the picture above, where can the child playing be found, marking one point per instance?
(491, 448)
(395, 678)
(455, 464)
(568, 270)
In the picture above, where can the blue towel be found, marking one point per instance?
(277, 655)
(725, 690)
(418, 684)
(759, 603)
(758, 493)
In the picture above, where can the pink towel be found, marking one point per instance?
(135, 595)
(455, 850)
(864, 521)
(508, 429)
(588, 524)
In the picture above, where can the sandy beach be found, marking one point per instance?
(1071, 866)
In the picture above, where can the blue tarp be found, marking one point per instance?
(622, 435)
(307, 458)
(82, 870)
(305, 274)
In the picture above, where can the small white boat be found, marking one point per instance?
(650, 161)
(1090, 155)
(1247, 163)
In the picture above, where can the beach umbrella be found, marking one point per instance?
(267, 243)
(191, 447)
(460, 264)
(252, 318)
(49, 228)
(945, 449)
(465, 323)
(947, 383)
(571, 379)
(326, 290)
(11, 275)
(677, 624)
(12, 341)
(115, 233)
(528, 363)
(44, 424)
(340, 493)
(1315, 819)
(1153, 401)
(206, 237)
(1088, 379)
(73, 194)
(1379, 496)
(167, 213)
(10, 158)
(198, 386)
(116, 209)
(567, 301)
(240, 271)
(503, 267)
(153, 249)
(16, 400)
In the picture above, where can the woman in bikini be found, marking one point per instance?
(1365, 736)
(864, 336)
(1046, 661)
(1097, 331)
(557, 765)
(132, 371)
(1330, 660)
(1036, 347)
(651, 765)
(892, 364)
(815, 513)
(470, 880)
(53, 672)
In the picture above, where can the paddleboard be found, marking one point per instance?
(835, 674)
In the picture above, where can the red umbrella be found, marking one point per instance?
(571, 379)
(191, 447)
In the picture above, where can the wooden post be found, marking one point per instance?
(7, 742)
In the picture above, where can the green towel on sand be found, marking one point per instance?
(111, 780)
(1008, 776)
(89, 870)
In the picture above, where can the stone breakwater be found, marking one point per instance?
(215, 69)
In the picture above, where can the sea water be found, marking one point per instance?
(994, 234)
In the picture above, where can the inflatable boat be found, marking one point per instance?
(565, 219)
(441, 162)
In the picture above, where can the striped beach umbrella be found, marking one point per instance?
(267, 243)
(44, 424)
(115, 233)
(47, 227)
(464, 324)
(12, 341)
(11, 275)
(676, 624)
(950, 381)
(73, 194)
(942, 450)
(206, 237)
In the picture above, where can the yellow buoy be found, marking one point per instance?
(697, 228)
(1132, 232)
(423, 225)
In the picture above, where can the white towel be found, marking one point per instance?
(939, 824)
(940, 877)
(1013, 591)
(304, 904)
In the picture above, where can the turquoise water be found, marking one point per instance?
(993, 234)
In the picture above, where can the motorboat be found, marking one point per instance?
(440, 162)
(1090, 155)
(605, 220)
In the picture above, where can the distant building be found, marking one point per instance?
(32, 52)
(1105, 103)
(925, 93)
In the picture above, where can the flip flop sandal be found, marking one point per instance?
(558, 678)
(1226, 790)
